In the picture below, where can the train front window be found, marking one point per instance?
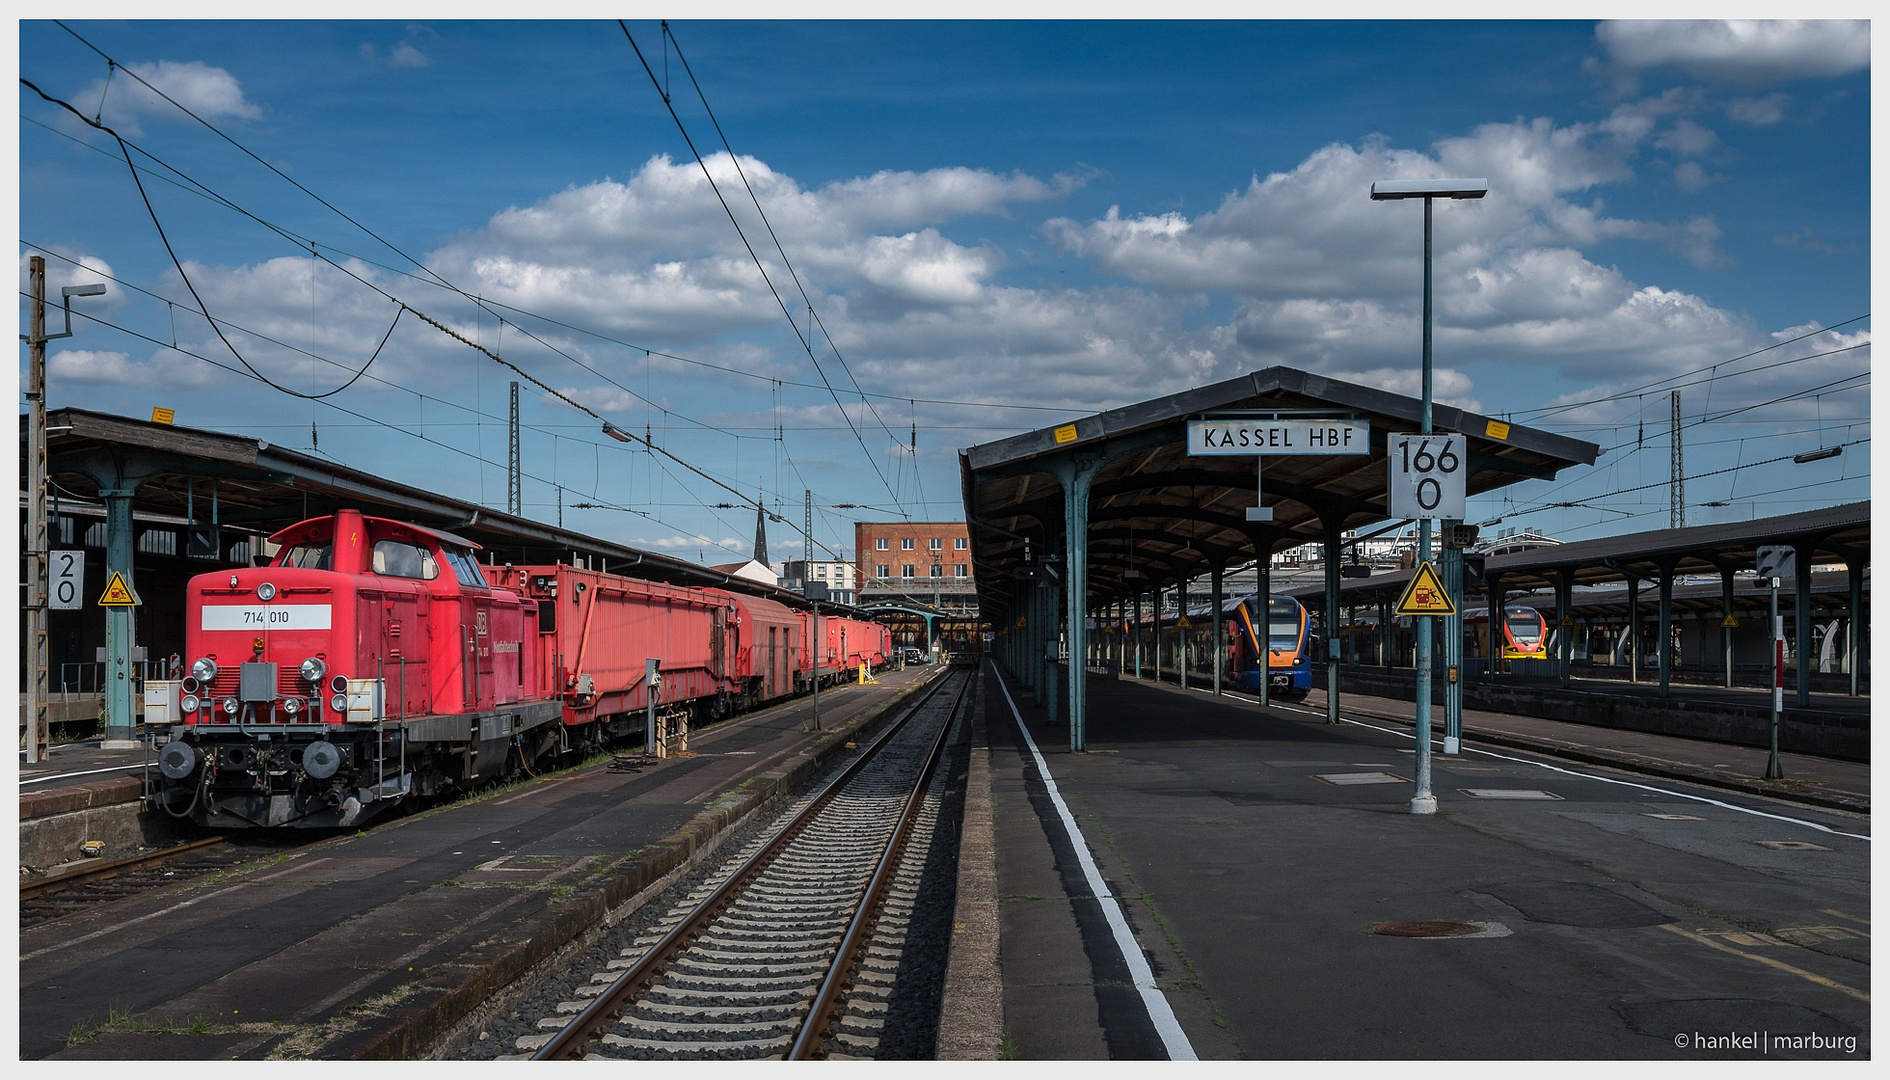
(1525, 627)
(1282, 625)
(307, 556)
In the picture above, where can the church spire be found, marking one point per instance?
(761, 532)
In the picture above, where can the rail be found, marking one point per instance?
(591, 1022)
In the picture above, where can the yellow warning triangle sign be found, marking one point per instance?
(118, 594)
(1425, 594)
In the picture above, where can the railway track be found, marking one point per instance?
(48, 899)
(793, 954)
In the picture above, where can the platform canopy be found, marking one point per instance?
(254, 487)
(1154, 509)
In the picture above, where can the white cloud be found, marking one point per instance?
(405, 55)
(1687, 139)
(165, 370)
(210, 92)
(1743, 51)
(1298, 268)
(1691, 177)
(1759, 112)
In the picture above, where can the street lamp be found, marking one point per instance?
(1423, 802)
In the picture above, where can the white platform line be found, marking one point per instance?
(1591, 776)
(1174, 1040)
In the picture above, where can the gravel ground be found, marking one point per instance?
(912, 1022)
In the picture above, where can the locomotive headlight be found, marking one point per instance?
(189, 684)
(339, 703)
(191, 703)
(265, 592)
(313, 669)
(205, 670)
(292, 705)
(229, 705)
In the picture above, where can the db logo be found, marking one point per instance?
(479, 622)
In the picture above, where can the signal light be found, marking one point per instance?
(339, 702)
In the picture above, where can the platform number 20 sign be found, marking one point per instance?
(1427, 476)
(65, 580)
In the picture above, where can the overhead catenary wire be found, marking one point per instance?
(779, 302)
(316, 247)
(800, 286)
(125, 149)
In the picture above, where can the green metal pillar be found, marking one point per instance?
(1077, 473)
(1333, 527)
(1853, 632)
(1047, 660)
(1156, 624)
(1634, 629)
(121, 721)
(1263, 623)
(1664, 644)
(1726, 606)
(1181, 633)
(1450, 565)
(1220, 627)
(1565, 617)
(1801, 615)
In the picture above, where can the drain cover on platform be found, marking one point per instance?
(1346, 779)
(1508, 793)
(1427, 929)
(1791, 845)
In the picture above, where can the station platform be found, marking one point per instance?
(398, 932)
(1245, 857)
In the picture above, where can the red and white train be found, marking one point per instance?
(373, 660)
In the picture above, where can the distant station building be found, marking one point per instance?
(831, 579)
(927, 563)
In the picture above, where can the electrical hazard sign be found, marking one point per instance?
(117, 593)
(1425, 595)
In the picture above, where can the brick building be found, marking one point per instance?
(924, 561)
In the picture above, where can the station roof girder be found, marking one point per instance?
(1188, 513)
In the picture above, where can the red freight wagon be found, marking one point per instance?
(369, 660)
(769, 648)
(596, 633)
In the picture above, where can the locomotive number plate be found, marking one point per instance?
(267, 617)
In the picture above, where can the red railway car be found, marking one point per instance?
(373, 660)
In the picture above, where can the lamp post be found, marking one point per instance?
(1423, 802)
(36, 337)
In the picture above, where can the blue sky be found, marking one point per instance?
(1045, 218)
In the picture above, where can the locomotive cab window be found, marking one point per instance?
(465, 568)
(397, 558)
(307, 556)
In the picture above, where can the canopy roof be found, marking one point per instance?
(1167, 516)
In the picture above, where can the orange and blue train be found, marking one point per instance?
(1278, 646)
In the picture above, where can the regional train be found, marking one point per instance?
(1525, 634)
(1289, 648)
(373, 660)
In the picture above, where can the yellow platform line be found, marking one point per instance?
(1768, 961)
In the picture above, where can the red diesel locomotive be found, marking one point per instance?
(373, 660)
